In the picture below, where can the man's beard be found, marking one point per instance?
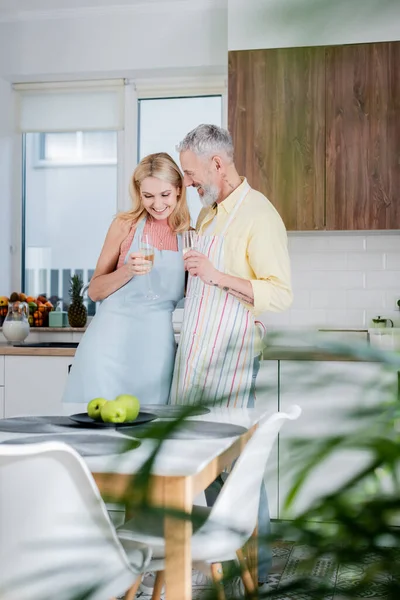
(210, 195)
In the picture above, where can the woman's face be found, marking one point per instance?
(159, 197)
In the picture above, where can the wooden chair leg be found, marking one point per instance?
(248, 582)
(158, 585)
(253, 555)
(218, 575)
(131, 593)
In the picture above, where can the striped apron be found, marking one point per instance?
(214, 362)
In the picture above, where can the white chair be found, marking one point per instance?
(56, 538)
(230, 523)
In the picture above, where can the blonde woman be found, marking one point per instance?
(129, 347)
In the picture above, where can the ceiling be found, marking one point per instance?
(27, 5)
(14, 9)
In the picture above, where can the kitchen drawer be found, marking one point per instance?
(2, 370)
(35, 385)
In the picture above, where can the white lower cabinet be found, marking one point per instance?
(1, 387)
(34, 384)
(1, 371)
(1, 402)
(267, 396)
(328, 392)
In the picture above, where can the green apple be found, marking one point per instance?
(94, 407)
(113, 412)
(131, 405)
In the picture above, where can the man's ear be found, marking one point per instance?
(217, 162)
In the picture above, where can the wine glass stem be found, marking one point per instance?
(149, 286)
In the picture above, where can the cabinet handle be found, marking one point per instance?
(69, 368)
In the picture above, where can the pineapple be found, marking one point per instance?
(77, 312)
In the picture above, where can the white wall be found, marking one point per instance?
(342, 280)
(339, 280)
(6, 157)
(286, 23)
(165, 36)
(157, 39)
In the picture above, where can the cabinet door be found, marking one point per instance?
(277, 120)
(1, 402)
(363, 136)
(34, 384)
(267, 397)
(1, 370)
(327, 393)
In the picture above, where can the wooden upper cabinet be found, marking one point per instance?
(317, 130)
(277, 120)
(363, 136)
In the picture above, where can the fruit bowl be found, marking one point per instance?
(84, 420)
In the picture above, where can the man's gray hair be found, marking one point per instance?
(207, 140)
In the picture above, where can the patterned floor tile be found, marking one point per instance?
(291, 561)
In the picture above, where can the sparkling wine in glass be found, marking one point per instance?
(189, 241)
(147, 251)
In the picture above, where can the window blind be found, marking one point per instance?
(88, 106)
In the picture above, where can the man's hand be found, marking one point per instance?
(199, 265)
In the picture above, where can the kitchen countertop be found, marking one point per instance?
(58, 329)
(320, 354)
(8, 350)
(270, 353)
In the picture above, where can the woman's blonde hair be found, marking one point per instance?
(162, 166)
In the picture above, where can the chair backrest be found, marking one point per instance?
(56, 538)
(237, 504)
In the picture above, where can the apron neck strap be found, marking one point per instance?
(246, 190)
(140, 225)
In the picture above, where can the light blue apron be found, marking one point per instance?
(129, 347)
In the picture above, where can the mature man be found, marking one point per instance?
(239, 269)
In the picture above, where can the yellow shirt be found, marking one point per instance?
(255, 247)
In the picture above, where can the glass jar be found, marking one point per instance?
(16, 324)
(381, 322)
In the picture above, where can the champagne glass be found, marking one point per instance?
(147, 250)
(189, 241)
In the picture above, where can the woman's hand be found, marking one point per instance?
(137, 265)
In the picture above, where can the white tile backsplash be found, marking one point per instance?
(308, 318)
(306, 261)
(328, 299)
(373, 299)
(391, 298)
(369, 261)
(392, 261)
(385, 242)
(348, 317)
(383, 280)
(302, 299)
(345, 243)
(342, 280)
(325, 280)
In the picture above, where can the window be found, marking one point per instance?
(67, 210)
(164, 122)
(74, 177)
(74, 128)
(77, 148)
